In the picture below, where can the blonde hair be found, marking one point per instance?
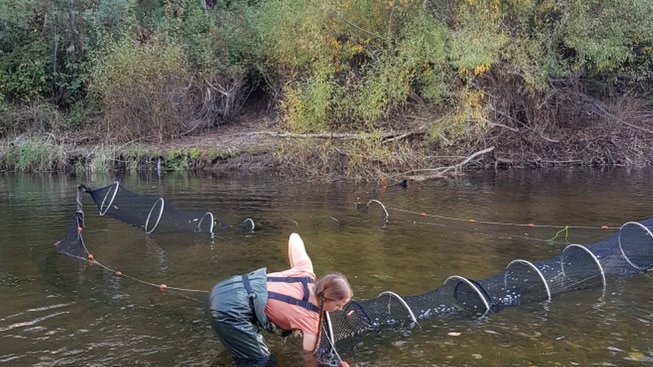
(333, 286)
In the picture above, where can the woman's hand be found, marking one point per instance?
(297, 255)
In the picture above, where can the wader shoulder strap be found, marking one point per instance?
(304, 302)
(255, 285)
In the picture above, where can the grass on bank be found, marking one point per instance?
(43, 154)
(26, 154)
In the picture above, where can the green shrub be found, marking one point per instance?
(142, 88)
(220, 47)
(351, 64)
(610, 36)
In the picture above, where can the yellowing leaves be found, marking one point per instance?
(477, 70)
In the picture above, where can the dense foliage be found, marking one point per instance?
(153, 69)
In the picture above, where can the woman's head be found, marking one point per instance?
(333, 291)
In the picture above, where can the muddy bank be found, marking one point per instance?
(396, 155)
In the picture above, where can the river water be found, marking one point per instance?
(58, 311)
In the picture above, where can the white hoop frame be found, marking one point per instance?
(458, 278)
(158, 219)
(596, 260)
(113, 197)
(403, 303)
(621, 248)
(535, 269)
(199, 225)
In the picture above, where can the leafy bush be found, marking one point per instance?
(24, 51)
(610, 36)
(220, 48)
(345, 69)
(142, 87)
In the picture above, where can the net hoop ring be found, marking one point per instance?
(114, 189)
(403, 303)
(621, 244)
(330, 335)
(586, 250)
(158, 219)
(210, 219)
(473, 286)
(533, 268)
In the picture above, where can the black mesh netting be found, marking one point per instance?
(151, 214)
(625, 253)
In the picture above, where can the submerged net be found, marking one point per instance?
(151, 214)
(625, 253)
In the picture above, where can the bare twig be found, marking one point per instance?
(601, 107)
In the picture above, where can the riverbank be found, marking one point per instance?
(257, 143)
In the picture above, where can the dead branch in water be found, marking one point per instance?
(429, 173)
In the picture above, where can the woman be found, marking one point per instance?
(278, 302)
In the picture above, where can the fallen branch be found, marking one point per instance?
(440, 171)
(310, 135)
(393, 138)
(387, 137)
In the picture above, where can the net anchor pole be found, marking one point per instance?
(79, 213)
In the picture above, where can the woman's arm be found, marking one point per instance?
(308, 344)
(297, 255)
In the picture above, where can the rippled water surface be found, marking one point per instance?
(57, 311)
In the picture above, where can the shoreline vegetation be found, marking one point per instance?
(359, 89)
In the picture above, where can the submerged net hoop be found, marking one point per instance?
(636, 245)
(211, 222)
(403, 303)
(148, 213)
(112, 191)
(326, 353)
(521, 280)
(161, 204)
(581, 267)
(468, 295)
(363, 208)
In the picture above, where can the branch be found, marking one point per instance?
(601, 107)
(391, 138)
(310, 135)
(385, 138)
(440, 171)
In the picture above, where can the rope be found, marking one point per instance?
(91, 259)
(94, 261)
(497, 223)
(563, 231)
